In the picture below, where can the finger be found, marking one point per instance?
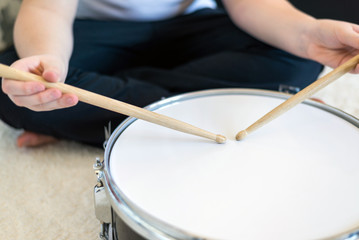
(51, 75)
(43, 97)
(13, 87)
(67, 100)
(351, 36)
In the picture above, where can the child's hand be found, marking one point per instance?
(34, 95)
(333, 42)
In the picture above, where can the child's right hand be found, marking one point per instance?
(34, 95)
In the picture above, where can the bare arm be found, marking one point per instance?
(45, 27)
(275, 22)
(279, 24)
(44, 41)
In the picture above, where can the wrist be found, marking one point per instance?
(309, 36)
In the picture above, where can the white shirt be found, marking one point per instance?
(139, 10)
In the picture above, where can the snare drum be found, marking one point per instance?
(295, 178)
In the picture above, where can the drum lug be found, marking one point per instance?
(288, 89)
(102, 204)
(98, 167)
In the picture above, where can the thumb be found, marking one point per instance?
(356, 28)
(53, 71)
(353, 41)
(351, 36)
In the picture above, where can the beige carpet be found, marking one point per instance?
(46, 193)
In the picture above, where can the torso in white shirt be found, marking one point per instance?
(139, 10)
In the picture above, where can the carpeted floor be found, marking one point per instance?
(46, 193)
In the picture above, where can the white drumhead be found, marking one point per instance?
(295, 178)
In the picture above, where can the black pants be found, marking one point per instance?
(141, 62)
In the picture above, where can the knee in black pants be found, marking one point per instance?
(262, 67)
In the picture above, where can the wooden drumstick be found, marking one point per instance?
(301, 96)
(112, 104)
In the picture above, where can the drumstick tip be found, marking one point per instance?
(241, 135)
(220, 138)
